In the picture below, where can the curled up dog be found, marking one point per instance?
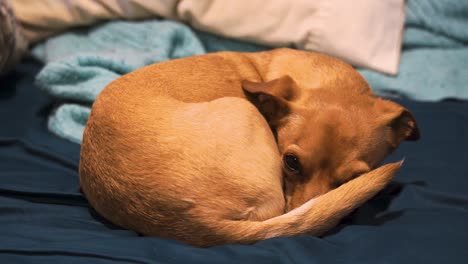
(238, 147)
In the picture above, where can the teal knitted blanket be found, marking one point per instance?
(79, 64)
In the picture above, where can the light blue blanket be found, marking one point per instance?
(434, 61)
(79, 64)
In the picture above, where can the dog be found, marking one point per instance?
(234, 147)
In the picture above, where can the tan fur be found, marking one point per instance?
(184, 149)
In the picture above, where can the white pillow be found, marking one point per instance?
(366, 33)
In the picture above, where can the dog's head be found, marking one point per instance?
(330, 133)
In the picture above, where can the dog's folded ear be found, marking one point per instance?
(272, 98)
(284, 87)
(401, 121)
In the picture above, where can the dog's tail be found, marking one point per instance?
(314, 217)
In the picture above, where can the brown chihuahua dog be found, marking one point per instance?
(175, 149)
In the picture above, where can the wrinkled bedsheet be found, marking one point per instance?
(420, 218)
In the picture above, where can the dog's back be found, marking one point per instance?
(164, 167)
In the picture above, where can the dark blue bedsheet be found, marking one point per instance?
(422, 217)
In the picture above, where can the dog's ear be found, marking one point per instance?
(272, 98)
(399, 119)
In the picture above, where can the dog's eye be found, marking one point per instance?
(291, 163)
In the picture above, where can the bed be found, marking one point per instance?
(44, 218)
(421, 217)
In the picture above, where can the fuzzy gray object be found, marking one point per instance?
(13, 44)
